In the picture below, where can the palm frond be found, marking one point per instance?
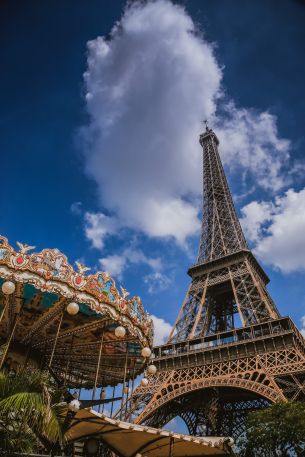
(30, 402)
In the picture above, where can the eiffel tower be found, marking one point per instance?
(230, 351)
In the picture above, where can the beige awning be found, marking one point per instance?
(128, 439)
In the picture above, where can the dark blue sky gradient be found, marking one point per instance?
(43, 56)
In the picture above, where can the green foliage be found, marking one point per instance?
(277, 431)
(31, 412)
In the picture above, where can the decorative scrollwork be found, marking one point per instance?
(49, 270)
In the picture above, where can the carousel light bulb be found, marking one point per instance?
(72, 308)
(144, 382)
(146, 352)
(126, 390)
(8, 287)
(74, 405)
(152, 369)
(120, 332)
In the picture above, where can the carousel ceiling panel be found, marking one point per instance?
(37, 312)
(50, 272)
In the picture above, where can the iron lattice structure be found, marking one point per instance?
(230, 351)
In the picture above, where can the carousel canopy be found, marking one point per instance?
(130, 440)
(68, 319)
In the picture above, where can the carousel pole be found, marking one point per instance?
(99, 406)
(123, 387)
(98, 367)
(28, 352)
(56, 338)
(127, 395)
(103, 406)
(6, 304)
(81, 385)
(132, 387)
(113, 392)
(133, 376)
(102, 397)
(171, 447)
(68, 367)
(42, 359)
(8, 343)
(72, 309)
(8, 288)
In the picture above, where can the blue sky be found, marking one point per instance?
(99, 142)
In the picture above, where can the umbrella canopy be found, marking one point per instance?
(130, 440)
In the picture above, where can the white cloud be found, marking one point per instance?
(250, 143)
(97, 227)
(116, 264)
(137, 256)
(277, 229)
(157, 282)
(254, 216)
(147, 90)
(162, 330)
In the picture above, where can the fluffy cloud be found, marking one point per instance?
(162, 330)
(148, 87)
(254, 216)
(97, 227)
(116, 264)
(277, 230)
(250, 143)
(157, 282)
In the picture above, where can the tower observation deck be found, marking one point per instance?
(229, 351)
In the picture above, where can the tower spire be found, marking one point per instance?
(221, 232)
(226, 280)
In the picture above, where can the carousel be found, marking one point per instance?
(76, 325)
(89, 336)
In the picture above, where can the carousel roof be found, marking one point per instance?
(45, 284)
(130, 440)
